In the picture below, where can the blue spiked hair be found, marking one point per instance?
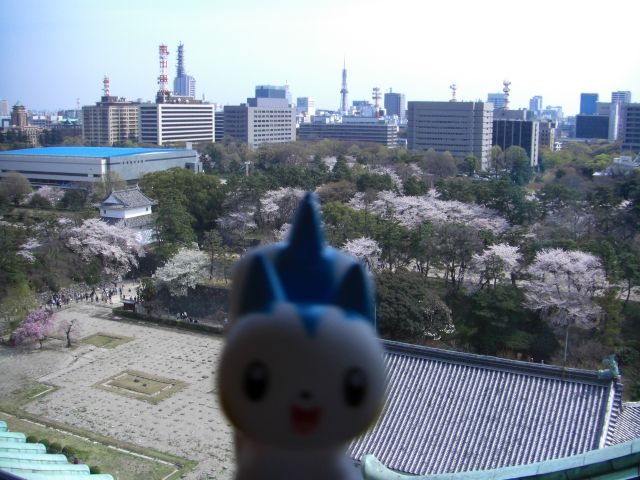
(302, 271)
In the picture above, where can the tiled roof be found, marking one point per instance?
(29, 461)
(451, 412)
(127, 198)
(627, 425)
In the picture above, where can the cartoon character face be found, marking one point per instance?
(282, 385)
(302, 366)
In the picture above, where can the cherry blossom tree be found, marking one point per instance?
(562, 286)
(364, 249)
(278, 206)
(187, 268)
(34, 328)
(116, 246)
(412, 211)
(495, 263)
(26, 249)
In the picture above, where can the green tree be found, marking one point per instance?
(519, 164)
(173, 225)
(407, 310)
(14, 186)
(414, 186)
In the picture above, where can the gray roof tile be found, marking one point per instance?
(627, 425)
(128, 198)
(449, 412)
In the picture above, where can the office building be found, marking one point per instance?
(170, 123)
(461, 128)
(520, 133)
(306, 106)
(82, 165)
(497, 99)
(396, 104)
(547, 134)
(4, 108)
(261, 120)
(588, 103)
(535, 104)
(592, 126)
(274, 91)
(630, 127)
(219, 125)
(111, 120)
(354, 129)
(621, 97)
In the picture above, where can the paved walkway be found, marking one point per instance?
(189, 423)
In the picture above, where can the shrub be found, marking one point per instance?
(32, 439)
(93, 469)
(44, 442)
(55, 447)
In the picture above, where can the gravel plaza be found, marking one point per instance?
(188, 422)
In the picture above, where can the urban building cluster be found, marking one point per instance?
(461, 127)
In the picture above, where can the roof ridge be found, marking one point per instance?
(496, 363)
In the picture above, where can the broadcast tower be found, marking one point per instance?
(344, 108)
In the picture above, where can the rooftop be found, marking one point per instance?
(127, 198)
(449, 412)
(98, 152)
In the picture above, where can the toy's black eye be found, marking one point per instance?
(355, 386)
(256, 380)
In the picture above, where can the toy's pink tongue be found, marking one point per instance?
(304, 420)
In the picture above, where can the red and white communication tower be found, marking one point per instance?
(376, 100)
(105, 86)
(163, 79)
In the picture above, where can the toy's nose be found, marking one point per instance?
(305, 395)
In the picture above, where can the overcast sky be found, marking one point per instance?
(54, 51)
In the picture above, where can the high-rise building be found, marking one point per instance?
(4, 108)
(592, 126)
(461, 128)
(395, 104)
(261, 120)
(535, 104)
(306, 107)
(520, 133)
(110, 121)
(630, 126)
(621, 96)
(169, 123)
(355, 129)
(497, 99)
(183, 85)
(547, 135)
(271, 91)
(219, 125)
(588, 103)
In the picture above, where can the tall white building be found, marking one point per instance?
(169, 123)
(260, 121)
(461, 128)
(306, 106)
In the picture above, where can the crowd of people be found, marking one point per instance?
(101, 294)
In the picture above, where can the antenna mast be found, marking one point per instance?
(105, 86)
(506, 91)
(376, 101)
(163, 79)
(453, 88)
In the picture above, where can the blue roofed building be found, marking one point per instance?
(69, 166)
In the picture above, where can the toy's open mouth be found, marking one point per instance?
(304, 420)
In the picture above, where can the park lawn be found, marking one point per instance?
(106, 340)
(122, 465)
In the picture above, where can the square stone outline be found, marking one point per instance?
(174, 387)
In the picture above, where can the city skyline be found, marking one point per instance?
(58, 52)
